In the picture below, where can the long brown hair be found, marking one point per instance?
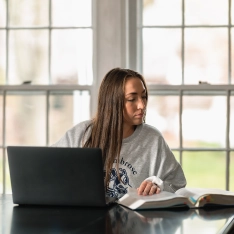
(107, 126)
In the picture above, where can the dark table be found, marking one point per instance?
(16, 219)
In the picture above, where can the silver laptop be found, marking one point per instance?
(57, 176)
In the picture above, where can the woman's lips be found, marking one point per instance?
(139, 115)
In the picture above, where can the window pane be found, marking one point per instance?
(162, 12)
(26, 119)
(204, 169)
(206, 12)
(232, 13)
(66, 110)
(163, 113)
(72, 56)
(28, 56)
(1, 171)
(204, 121)
(2, 13)
(231, 135)
(177, 155)
(1, 118)
(28, 13)
(231, 169)
(72, 13)
(162, 56)
(2, 57)
(232, 54)
(206, 55)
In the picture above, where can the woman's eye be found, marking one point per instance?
(131, 100)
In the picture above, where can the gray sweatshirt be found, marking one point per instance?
(144, 156)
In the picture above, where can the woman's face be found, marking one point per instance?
(135, 102)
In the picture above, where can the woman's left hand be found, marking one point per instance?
(148, 188)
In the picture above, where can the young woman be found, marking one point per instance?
(134, 154)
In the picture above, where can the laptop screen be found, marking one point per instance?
(56, 176)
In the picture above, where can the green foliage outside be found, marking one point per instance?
(207, 169)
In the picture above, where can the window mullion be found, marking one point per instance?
(229, 43)
(182, 41)
(228, 140)
(180, 126)
(132, 34)
(49, 42)
(7, 42)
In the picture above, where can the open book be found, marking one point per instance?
(190, 197)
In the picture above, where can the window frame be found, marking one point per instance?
(126, 17)
(183, 89)
(48, 89)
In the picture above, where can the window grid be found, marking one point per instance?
(45, 88)
(163, 90)
(140, 28)
(157, 89)
(8, 28)
(181, 90)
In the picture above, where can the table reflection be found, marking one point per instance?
(114, 219)
(124, 220)
(44, 219)
(169, 221)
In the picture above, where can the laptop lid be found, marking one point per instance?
(56, 176)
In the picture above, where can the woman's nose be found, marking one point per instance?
(141, 104)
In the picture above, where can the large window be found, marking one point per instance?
(54, 53)
(187, 60)
(46, 42)
(46, 69)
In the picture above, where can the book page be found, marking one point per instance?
(195, 194)
(155, 197)
(163, 199)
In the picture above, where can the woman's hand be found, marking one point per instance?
(148, 188)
